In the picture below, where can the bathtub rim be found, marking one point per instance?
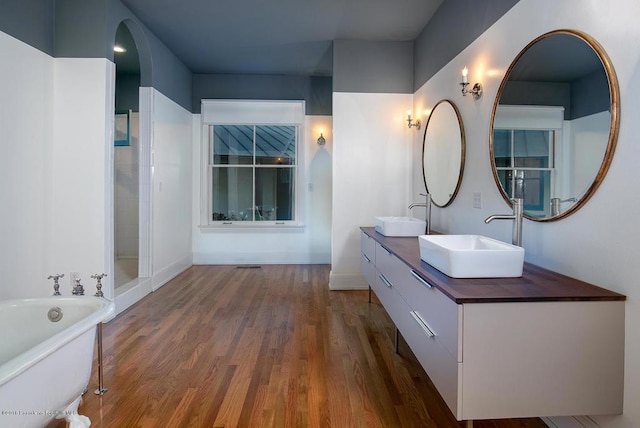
(20, 363)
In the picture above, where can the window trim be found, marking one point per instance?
(534, 118)
(255, 113)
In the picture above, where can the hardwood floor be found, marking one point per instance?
(221, 346)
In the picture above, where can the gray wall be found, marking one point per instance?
(30, 21)
(538, 94)
(583, 97)
(128, 92)
(453, 27)
(87, 29)
(590, 95)
(316, 91)
(373, 67)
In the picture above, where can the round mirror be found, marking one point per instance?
(443, 150)
(555, 124)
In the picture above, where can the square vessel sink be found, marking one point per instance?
(471, 256)
(400, 226)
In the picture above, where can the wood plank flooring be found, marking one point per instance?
(221, 346)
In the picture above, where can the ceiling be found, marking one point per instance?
(291, 37)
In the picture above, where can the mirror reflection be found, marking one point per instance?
(443, 151)
(554, 124)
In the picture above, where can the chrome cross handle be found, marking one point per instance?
(98, 278)
(56, 285)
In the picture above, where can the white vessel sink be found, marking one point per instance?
(400, 226)
(471, 256)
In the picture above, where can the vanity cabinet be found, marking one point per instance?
(503, 348)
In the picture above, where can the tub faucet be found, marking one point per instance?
(78, 290)
(517, 221)
(56, 286)
(98, 278)
(427, 205)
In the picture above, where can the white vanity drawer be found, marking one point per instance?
(388, 264)
(442, 368)
(368, 247)
(395, 306)
(368, 269)
(440, 312)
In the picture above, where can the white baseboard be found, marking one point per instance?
(271, 258)
(570, 422)
(347, 281)
(132, 293)
(167, 274)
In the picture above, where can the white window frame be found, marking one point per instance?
(543, 118)
(249, 112)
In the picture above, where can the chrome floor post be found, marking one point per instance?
(101, 389)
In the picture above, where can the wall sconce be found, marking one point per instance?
(410, 122)
(476, 90)
(321, 140)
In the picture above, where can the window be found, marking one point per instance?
(251, 166)
(528, 150)
(253, 170)
(524, 162)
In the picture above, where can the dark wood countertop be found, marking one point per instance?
(535, 285)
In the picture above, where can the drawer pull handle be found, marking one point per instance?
(419, 278)
(423, 324)
(385, 280)
(366, 259)
(385, 250)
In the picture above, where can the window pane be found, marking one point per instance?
(275, 145)
(274, 194)
(232, 145)
(502, 147)
(232, 191)
(531, 144)
(536, 190)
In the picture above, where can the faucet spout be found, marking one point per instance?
(516, 238)
(499, 217)
(427, 205)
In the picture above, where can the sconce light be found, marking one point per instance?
(410, 122)
(476, 90)
(321, 140)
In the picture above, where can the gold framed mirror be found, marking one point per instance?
(443, 153)
(554, 124)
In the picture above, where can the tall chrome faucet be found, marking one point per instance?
(427, 205)
(517, 221)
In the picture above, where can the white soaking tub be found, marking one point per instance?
(46, 355)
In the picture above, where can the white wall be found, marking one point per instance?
(80, 210)
(25, 168)
(588, 145)
(172, 204)
(597, 244)
(56, 174)
(309, 244)
(371, 173)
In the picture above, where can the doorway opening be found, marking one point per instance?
(126, 161)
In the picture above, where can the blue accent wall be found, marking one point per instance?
(316, 91)
(87, 29)
(373, 67)
(453, 27)
(30, 21)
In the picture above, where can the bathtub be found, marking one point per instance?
(45, 365)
